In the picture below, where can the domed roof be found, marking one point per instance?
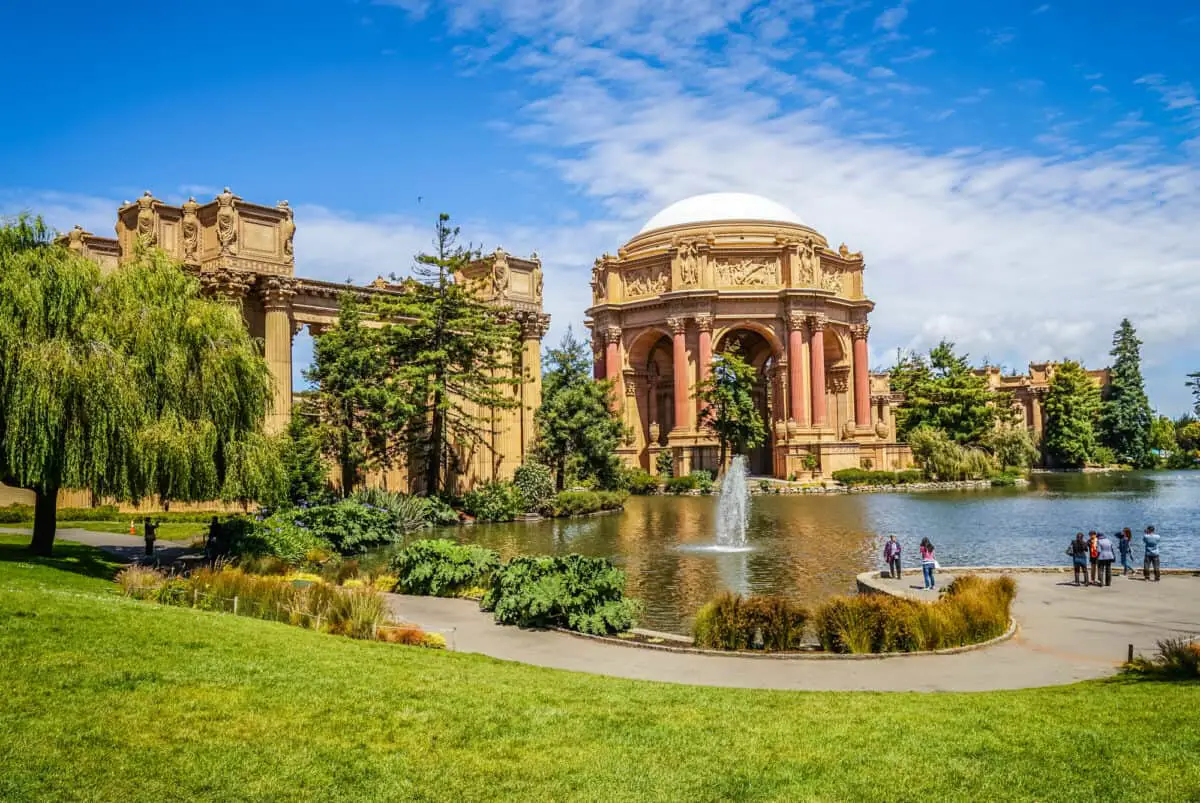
(716, 206)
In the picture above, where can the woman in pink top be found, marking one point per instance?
(927, 562)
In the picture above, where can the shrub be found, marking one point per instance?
(732, 622)
(641, 482)
(664, 464)
(943, 459)
(439, 511)
(282, 535)
(678, 485)
(404, 512)
(140, 582)
(973, 609)
(442, 568)
(612, 500)
(1104, 456)
(704, 481)
(15, 514)
(576, 592)
(494, 501)
(536, 484)
(412, 636)
(575, 503)
(355, 524)
(1177, 658)
(174, 592)
(356, 612)
(100, 513)
(909, 475)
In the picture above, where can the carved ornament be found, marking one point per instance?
(881, 429)
(688, 258)
(599, 281)
(704, 322)
(817, 323)
(612, 335)
(288, 227)
(747, 272)
(145, 219)
(678, 324)
(859, 331)
(75, 238)
(230, 285)
(795, 321)
(501, 274)
(276, 293)
(227, 222)
(806, 264)
(647, 281)
(831, 279)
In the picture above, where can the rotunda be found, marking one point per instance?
(719, 269)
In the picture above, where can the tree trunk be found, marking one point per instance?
(45, 507)
(437, 426)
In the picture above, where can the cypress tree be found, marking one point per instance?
(1071, 408)
(1126, 416)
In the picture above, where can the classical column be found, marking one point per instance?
(862, 378)
(276, 294)
(798, 409)
(633, 423)
(533, 329)
(704, 324)
(612, 363)
(817, 368)
(679, 363)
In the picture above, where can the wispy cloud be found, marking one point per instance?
(892, 18)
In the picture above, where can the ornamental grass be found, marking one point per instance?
(733, 622)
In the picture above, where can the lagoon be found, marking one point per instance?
(810, 547)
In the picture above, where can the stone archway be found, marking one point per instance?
(756, 347)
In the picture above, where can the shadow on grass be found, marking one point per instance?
(67, 557)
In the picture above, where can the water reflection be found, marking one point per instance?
(810, 547)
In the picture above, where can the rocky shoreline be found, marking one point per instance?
(778, 488)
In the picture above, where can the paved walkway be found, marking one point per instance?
(1066, 634)
(122, 545)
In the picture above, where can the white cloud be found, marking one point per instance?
(881, 72)
(891, 19)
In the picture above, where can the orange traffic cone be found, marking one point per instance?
(132, 529)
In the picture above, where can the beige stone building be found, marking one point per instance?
(1028, 390)
(721, 269)
(244, 252)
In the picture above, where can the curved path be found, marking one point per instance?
(1065, 634)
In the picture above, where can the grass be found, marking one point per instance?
(182, 531)
(115, 699)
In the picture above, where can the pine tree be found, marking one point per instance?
(1194, 384)
(1071, 409)
(127, 384)
(453, 358)
(729, 409)
(1126, 416)
(941, 391)
(353, 394)
(578, 432)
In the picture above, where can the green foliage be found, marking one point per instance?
(732, 622)
(1012, 445)
(1176, 659)
(578, 430)
(494, 501)
(664, 464)
(442, 568)
(704, 480)
(641, 482)
(1104, 456)
(679, 485)
(303, 463)
(128, 383)
(1071, 408)
(579, 503)
(572, 591)
(1162, 435)
(973, 609)
(943, 459)
(942, 392)
(1125, 414)
(1193, 384)
(282, 535)
(404, 512)
(536, 484)
(367, 519)
(729, 410)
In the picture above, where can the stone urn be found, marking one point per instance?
(655, 431)
(881, 429)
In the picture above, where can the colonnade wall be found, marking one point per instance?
(244, 253)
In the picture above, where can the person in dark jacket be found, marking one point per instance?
(891, 553)
(1125, 547)
(1078, 550)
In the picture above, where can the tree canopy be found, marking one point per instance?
(943, 392)
(1194, 384)
(729, 411)
(578, 432)
(128, 384)
(1071, 408)
(1126, 416)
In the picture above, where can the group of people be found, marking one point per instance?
(891, 554)
(1093, 558)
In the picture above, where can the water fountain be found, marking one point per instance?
(733, 507)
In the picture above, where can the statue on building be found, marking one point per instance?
(75, 239)
(599, 282)
(145, 219)
(190, 226)
(806, 263)
(689, 263)
(288, 229)
(227, 222)
(501, 275)
(535, 279)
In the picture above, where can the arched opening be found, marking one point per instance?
(758, 351)
(651, 358)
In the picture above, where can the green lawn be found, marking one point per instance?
(182, 531)
(110, 699)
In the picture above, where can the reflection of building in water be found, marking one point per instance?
(726, 270)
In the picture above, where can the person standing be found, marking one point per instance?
(1093, 554)
(1104, 547)
(1078, 550)
(150, 534)
(1150, 558)
(927, 563)
(891, 554)
(1125, 545)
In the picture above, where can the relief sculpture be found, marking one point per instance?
(647, 281)
(806, 264)
(747, 272)
(689, 264)
(831, 279)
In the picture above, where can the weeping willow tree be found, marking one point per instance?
(127, 384)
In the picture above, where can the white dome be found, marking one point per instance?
(715, 206)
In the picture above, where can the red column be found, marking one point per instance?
(799, 410)
(862, 379)
(679, 358)
(817, 360)
(612, 363)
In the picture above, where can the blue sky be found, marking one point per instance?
(1019, 175)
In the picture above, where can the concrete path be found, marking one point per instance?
(122, 545)
(1066, 634)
